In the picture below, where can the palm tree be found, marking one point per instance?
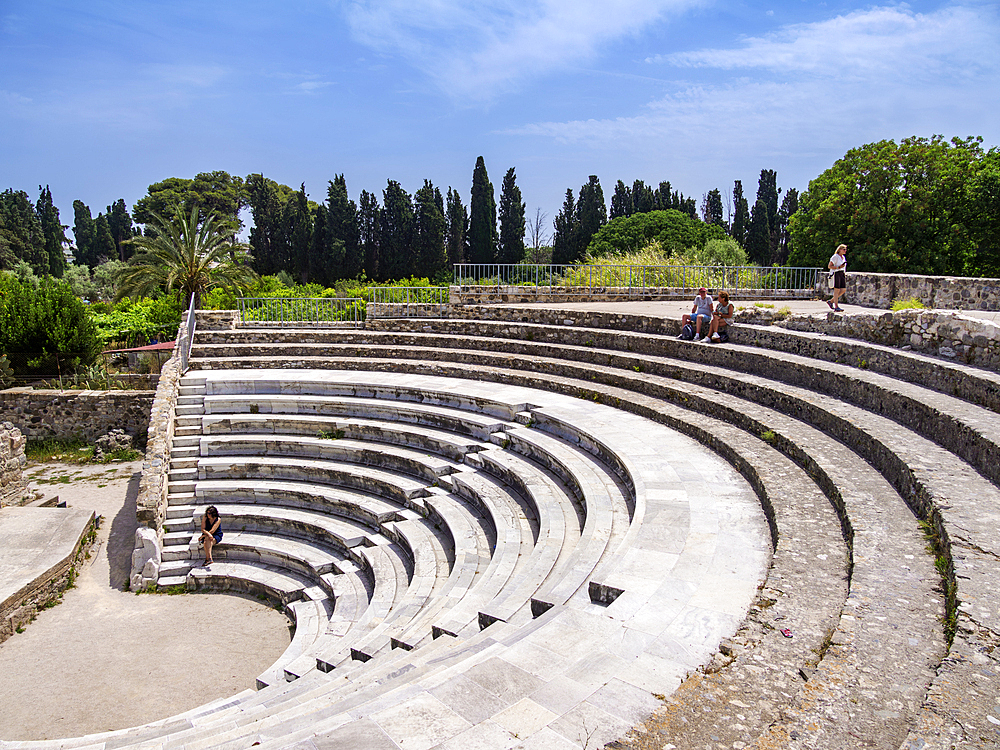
(181, 254)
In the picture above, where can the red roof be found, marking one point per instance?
(150, 347)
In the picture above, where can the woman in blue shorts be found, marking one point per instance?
(211, 531)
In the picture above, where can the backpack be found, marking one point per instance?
(687, 332)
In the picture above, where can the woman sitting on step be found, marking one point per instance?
(211, 531)
(723, 313)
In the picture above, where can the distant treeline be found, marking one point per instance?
(391, 236)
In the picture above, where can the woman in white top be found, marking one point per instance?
(838, 267)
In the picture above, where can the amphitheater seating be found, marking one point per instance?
(519, 533)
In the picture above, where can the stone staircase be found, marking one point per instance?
(520, 533)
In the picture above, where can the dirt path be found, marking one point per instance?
(108, 659)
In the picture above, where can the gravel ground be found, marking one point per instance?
(106, 658)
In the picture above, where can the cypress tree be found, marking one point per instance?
(643, 198)
(85, 233)
(621, 201)
(511, 220)
(789, 206)
(430, 256)
(591, 215)
(457, 228)
(104, 244)
(758, 245)
(120, 224)
(565, 224)
(52, 230)
(342, 225)
(298, 235)
(396, 232)
(741, 217)
(713, 209)
(319, 249)
(368, 230)
(23, 235)
(482, 217)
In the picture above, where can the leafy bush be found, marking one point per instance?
(137, 323)
(674, 230)
(907, 304)
(48, 319)
(717, 252)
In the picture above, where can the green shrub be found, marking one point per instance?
(135, 323)
(674, 230)
(717, 252)
(49, 319)
(911, 303)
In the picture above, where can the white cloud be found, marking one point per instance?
(816, 89)
(478, 49)
(868, 43)
(310, 87)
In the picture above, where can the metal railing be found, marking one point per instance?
(410, 295)
(292, 311)
(185, 342)
(625, 280)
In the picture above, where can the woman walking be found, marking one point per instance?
(838, 269)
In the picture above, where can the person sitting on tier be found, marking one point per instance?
(211, 531)
(701, 313)
(720, 319)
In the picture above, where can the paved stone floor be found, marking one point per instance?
(107, 659)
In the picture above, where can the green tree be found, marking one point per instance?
(741, 215)
(369, 218)
(52, 230)
(675, 230)
(183, 254)
(457, 229)
(217, 193)
(268, 242)
(86, 235)
(48, 318)
(104, 243)
(297, 219)
(564, 239)
(621, 201)
(712, 211)
(591, 215)
(984, 217)
(120, 224)
(758, 242)
(429, 251)
(898, 207)
(342, 226)
(482, 217)
(512, 208)
(396, 233)
(643, 198)
(717, 252)
(789, 205)
(24, 236)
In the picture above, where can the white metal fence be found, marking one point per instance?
(627, 280)
(292, 311)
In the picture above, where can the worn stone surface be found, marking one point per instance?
(75, 414)
(13, 484)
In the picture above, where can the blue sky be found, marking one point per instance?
(100, 99)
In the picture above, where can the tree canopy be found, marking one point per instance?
(183, 254)
(923, 205)
(218, 193)
(676, 232)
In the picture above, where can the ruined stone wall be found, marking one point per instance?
(948, 292)
(13, 485)
(76, 414)
(491, 295)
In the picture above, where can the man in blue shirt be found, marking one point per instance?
(701, 312)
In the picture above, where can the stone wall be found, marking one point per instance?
(940, 332)
(13, 485)
(151, 502)
(491, 295)
(948, 292)
(214, 320)
(76, 414)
